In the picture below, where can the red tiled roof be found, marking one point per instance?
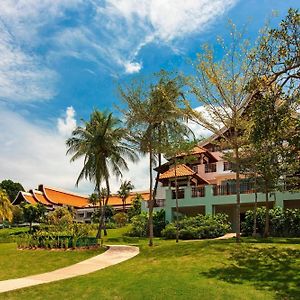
(28, 198)
(39, 197)
(181, 171)
(60, 197)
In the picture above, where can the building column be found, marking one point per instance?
(208, 209)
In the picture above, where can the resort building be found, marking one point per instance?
(52, 197)
(206, 186)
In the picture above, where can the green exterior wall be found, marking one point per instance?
(210, 201)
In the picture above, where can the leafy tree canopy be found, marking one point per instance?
(12, 188)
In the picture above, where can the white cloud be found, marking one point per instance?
(22, 76)
(132, 67)
(33, 154)
(67, 124)
(112, 36)
(121, 28)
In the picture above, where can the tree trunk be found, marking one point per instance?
(255, 207)
(151, 203)
(123, 200)
(156, 180)
(98, 236)
(267, 222)
(105, 205)
(177, 208)
(238, 197)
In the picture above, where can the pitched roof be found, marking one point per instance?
(23, 196)
(60, 197)
(40, 197)
(181, 171)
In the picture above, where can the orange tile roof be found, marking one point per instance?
(29, 198)
(181, 171)
(39, 197)
(60, 197)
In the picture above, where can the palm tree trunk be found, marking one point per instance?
(267, 222)
(98, 236)
(105, 205)
(156, 179)
(151, 203)
(123, 200)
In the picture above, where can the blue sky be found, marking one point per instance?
(62, 58)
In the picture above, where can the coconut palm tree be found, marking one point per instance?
(155, 115)
(6, 207)
(124, 191)
(101, 143)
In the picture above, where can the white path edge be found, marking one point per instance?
(114, 255)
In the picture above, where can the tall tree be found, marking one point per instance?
(153, 113)
(124, 191)
(275, 157)
(101, 143)
(220, 86)
(6, 208)
(11, 188)
(33, 213)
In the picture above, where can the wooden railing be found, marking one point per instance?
(230, 189)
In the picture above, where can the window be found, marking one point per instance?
(227, 166)
(210, 168)
(195, 168)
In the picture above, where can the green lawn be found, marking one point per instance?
(256, 269)
(16, 263)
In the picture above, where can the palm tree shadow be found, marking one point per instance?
(267, 268)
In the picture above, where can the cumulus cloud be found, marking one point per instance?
(67, 124)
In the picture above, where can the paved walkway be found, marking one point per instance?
(223, 237)
(114, 255)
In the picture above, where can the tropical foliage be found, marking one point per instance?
(101, 143)
(6, 210)
(199, 227)
(285, 223)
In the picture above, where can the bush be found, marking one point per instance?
(198, 227)
(283, 223)
(120, 219)
(139, 224)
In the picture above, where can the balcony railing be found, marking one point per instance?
(198, 191)
(180, 194)
(230, 189)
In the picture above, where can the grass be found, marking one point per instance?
(16, 263)
(256, 269)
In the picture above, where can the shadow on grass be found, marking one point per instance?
(266, 268)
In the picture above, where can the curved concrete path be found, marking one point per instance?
(114, 255)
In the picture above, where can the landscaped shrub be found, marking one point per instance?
(139, 224)
(285, 223)
(57, 237)
(120, 219)
(198, 227)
